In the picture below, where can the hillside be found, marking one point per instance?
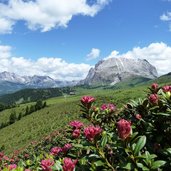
(29, 95)
(141, 81)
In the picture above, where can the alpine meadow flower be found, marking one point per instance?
(69, 164)
(55, 151)
(124, 128)
(110, 107)
(47, 164)
(66, 148)
(153, 98)
(154, 86)
(76, 124)
(76, 133)
(87, 101)
(166, 88)
(138, 116)
(12, 166)
(91, 132)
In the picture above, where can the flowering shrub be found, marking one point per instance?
(138, 138)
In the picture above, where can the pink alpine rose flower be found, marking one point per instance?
(47, 164)
(124, 129)
(12, 166)
(55, 151)
(91, 132)
(110, 107)
(166, 88)
(154, 86)
(6, 158)
(66, 148)
(153, 98)
(76, 133)
(76, 124)
(138, 116)
(69, 164)
(87, 101)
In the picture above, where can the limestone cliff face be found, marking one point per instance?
(114, 70)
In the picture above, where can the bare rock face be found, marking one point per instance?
(114, 70)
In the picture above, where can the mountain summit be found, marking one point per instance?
(114, 70)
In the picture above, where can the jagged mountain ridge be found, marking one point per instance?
(114, 70)
(11, 82)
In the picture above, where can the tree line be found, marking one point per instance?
(28, 110)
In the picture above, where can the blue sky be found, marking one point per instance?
(63, 39)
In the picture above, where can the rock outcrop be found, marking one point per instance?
(114, 70)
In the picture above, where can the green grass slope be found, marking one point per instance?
(29, 95)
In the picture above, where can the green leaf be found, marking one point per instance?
(128, 166)
(169, 150)
(157, 164)
(104, 140)
(98, 163)
(140, 144)
(145, 103)
(162, 114)
(78, 145)
(140, 165)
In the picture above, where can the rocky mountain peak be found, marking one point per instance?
(113, 70)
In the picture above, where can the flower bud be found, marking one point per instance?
(124, 129)
(153, 98)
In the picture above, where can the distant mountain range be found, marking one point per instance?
(10, 82)
(109, 72)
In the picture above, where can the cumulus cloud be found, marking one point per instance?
(158, 54)
(95, 53)
(166, 17)
(45, 14)
(56, 68)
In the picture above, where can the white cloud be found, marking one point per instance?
(95, 53)
(114, 54)
(56, 68)
(5, 52)
(158, 54)
(166, 16)
(5, 26)
(45, 14)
